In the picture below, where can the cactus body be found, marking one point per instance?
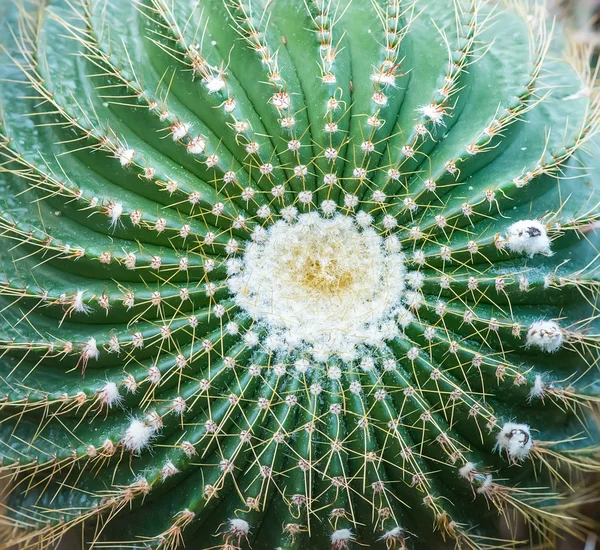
(295, 274)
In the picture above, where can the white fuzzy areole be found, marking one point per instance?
(90, 350)
(528, 237)
(138, 436)
(538, 390)
(322, 284)
(466, 470)
(395, 534)
(110, 395)
(341, 538)
(214, 83)
(125, 156)
(433, 112)
(239, 526)
(545, 335)
(515, 439)
(486, 484)
(115, 212)
(168, 470)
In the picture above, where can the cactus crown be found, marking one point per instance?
(295, 274)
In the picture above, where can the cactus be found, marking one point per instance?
(296, 274)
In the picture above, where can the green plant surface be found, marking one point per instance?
(283, 274)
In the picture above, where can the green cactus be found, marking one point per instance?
(283, 274)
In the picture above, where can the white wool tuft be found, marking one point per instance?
(485, 485)
(78, 304)
(384, 78)
(90, 350)
(538, 390)
(528, 237)
(433, 112)
(467, 470)
(110, 395)
(302, 365)
(363, 219)
(214, 83)
(239, 526)
(545, 335)
(168, 470)
(179, 405)
(515, 439)
(397, 533)
(179, 130)
(196, 146)
(138, 436)
(415, 279)
(328, 207)
(125, 156)
(322, 283)
(115, 210)
(341, 538)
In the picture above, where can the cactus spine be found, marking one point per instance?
(296, 274)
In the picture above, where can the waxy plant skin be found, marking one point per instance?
(296, 274)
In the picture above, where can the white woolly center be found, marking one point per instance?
(323, 284)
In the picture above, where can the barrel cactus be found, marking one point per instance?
(296, 274)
